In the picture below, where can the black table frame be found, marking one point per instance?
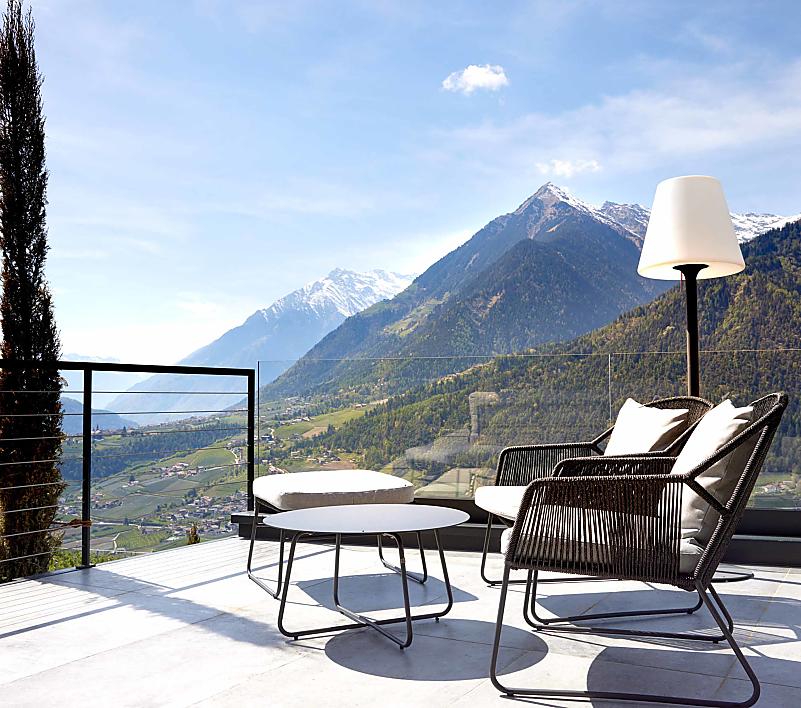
(360, 620)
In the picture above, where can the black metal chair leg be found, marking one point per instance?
(261, 583)
(496, 644)
(722, 623)
(726, 629)
(418, 578)
(722, 607)
(556, 624)
(485, 553)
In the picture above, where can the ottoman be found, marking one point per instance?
(308, 490)
(305, 490)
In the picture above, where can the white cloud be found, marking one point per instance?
(685, 118)
(484, 76)
(568, 168)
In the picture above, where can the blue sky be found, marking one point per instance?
(209, 156)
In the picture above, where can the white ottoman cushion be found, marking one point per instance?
(305, 490)
(503, 501)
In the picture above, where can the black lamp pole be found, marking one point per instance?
(690, 272)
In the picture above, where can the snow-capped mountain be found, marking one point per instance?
(633, 216)
(550, 201)
(343, 291)
(747, 226)
(294, 323)
(270, 339)
(552, 269)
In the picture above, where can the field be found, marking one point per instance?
(319, 423)
(151, 505)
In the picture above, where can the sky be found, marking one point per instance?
(207, 157)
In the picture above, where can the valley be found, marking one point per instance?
(520, 335)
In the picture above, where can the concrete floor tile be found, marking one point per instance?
(187, 627)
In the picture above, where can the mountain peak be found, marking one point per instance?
(551, 189)
(550, 193)
(343, 291)
(552, 203)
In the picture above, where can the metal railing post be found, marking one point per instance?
(251, 434)
(609, 385)
(86, 507)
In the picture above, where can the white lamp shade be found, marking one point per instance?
(690, 223)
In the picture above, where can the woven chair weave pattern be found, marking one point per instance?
(620, 517)
(520, 464)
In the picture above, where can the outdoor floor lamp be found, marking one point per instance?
(690, 234)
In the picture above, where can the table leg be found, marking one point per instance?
(358, 619)
(273, 593)
(418, 578)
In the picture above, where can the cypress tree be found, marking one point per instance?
(30, 407)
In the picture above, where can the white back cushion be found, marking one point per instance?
(642, 428)
(721, 424)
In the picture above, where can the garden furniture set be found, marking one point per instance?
(656, 498)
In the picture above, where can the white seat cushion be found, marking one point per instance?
(689, 552)
(501, 501)
(719, 426)
(640, 428)
(305, 490)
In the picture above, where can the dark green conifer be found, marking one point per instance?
(28, 327)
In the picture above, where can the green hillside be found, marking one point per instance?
(568, 391)
(548, 272)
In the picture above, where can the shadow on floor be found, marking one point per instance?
(432, 658)
(614, 669)
(379, 591)
(775, 612)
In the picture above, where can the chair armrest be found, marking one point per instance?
(519, 464)
(601, 466)
(612, 526)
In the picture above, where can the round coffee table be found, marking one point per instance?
(387, 520)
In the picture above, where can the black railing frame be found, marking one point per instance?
(88, 368)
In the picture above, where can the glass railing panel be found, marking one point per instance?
(742, 376)
(439, 422)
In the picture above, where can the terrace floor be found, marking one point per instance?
(186, 627)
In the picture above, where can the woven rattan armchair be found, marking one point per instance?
(620, 518)
(520, 464)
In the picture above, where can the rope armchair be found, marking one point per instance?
(621, 518)
(520, 464)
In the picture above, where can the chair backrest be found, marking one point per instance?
(696, 408)
(766, 418)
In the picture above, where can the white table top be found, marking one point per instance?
(367, 518)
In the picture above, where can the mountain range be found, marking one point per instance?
(749, 327)
(550, 271)
(271, 339)
(72, 424)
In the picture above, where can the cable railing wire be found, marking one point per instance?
(99, 414)
(91, 451)
(30, 508)
(29, 486)
(30, 555)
